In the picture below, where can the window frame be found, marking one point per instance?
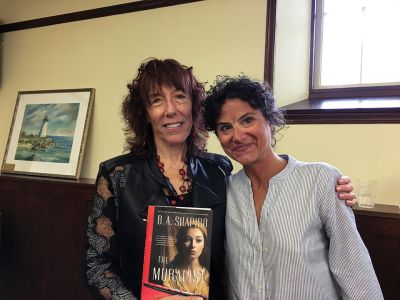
(310, 110)
(342, 92)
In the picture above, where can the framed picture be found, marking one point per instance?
(48, 133)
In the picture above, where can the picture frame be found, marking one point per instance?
(48, 133)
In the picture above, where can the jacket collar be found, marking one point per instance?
(203, 195)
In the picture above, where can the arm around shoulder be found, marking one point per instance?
(349, 260)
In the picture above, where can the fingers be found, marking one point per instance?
(347, 196)
(345, 188)
(350, 203)
(344, 180)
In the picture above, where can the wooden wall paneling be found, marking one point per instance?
(70, 243)
(44, 234)
(35, 237)
(381, 235)
(43, 227)
(8, 249)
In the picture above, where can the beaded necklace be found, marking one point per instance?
(184, 188)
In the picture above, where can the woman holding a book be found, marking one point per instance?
(166, 165)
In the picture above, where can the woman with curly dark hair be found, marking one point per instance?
(258, 95)
(288, 236)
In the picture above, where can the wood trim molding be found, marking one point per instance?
(92, 13)
(311, 112)
(42, 179)
(354, 92)
(270, 42)
(379, 210)
(361, 116)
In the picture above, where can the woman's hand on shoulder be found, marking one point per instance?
(344, 189)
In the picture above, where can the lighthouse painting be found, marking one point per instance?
(47, 132)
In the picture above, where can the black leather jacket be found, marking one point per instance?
(125, 187)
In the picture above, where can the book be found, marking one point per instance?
(177, 252)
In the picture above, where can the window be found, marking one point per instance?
(354, 60)
(355, 46)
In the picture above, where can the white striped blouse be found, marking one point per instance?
(306, 246)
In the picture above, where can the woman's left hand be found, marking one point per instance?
(344, 189)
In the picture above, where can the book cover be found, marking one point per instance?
(177, 252)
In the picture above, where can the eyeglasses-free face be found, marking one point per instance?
(243, 132)
(170, 115)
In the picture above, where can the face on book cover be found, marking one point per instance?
(193, 243)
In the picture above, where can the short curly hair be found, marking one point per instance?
(257, 94)
(152, 74)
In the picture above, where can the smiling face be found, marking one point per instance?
(193, 243)
(170, 114)
(244, 133)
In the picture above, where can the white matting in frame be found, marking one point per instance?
(48, 133)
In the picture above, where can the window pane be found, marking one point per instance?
(341, 55)
(359, 43)
(381, 55)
